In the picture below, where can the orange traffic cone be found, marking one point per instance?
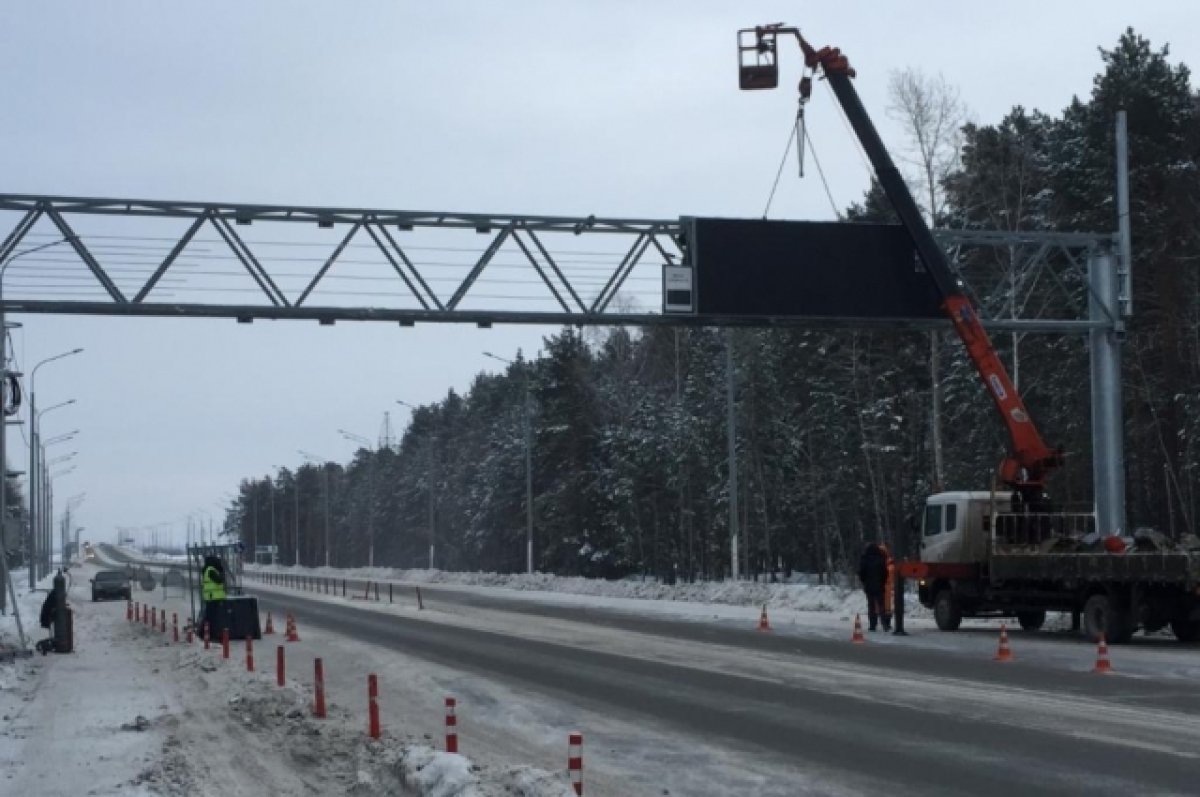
(763, 623)
(858, 637)
(1103, 665)
(292, 635)
(1004, 654)
(270, 629)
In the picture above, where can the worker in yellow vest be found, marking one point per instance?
(212, 580)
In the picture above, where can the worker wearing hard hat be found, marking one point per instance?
(212, 580)
(873, 572)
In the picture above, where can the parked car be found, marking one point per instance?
(111, 584)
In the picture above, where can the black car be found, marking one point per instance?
(112, 584)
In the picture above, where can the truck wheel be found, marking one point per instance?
(946, 611)
(1186, 630)
(1031, 620)
(1101, 617)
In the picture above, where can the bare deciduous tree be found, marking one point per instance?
(932, 115)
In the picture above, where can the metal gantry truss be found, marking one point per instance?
(130, 257)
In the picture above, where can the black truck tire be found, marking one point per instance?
(1102, 616)
(1185, 630)
(1032, 619)
(946, 611)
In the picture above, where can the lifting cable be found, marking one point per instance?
(783, 161)
(799, 134)
(821, 172)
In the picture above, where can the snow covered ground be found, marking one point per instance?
(506, 731)
(133, 713)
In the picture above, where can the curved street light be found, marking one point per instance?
(323, 463)
(528, 462)
(36, 475)
(357, 438)
(8, 261)
(429, 489)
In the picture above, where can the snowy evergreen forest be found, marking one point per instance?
(834, 441)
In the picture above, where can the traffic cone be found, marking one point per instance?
(1003, 653)
(270, 629)
(292, 635)
(858, 637)
(763, 623)
(1103, 665)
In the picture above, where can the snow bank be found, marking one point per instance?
(802, 597)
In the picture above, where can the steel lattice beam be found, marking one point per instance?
(574, 286)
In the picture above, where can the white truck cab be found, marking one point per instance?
(956, 525)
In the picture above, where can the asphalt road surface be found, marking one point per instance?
(892, 720)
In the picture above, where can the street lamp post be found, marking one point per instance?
(429, 490)
(36, 520)
(325, 491)
(5, 255)
(357, 438)
(42, 532)
(528, 467)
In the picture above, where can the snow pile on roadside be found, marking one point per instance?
(30, 606)
(298, 753)
(803, 597)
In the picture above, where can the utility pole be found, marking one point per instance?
(731, 434)
(296, 492)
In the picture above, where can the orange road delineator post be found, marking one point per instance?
(1003, 653)
(1103, 665)
(175, 627)
(451, 726)
(763, 623)
(373, 706)
(858, 638)
(318, 689)
(575, 761)
(162, 620)
(292, 634)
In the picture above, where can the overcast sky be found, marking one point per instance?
(568, 108)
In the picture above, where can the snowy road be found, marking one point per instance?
(805, 713)
(706, 708)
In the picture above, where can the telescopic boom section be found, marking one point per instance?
(1030, 460)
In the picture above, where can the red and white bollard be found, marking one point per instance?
(207, 635)
(249, 653)
(280, 677)
(153, 616)
(318, 689)
(451, 727)
(162, 621)
(373, 706)
(575, 760)
(175, 625)
(224, 643)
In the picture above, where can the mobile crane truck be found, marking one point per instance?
(1005, 552)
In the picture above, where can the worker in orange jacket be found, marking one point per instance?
(889, 586)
